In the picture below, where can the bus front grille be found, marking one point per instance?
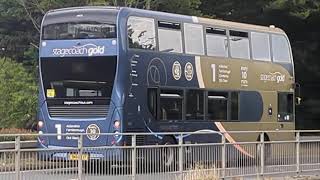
(95, 111)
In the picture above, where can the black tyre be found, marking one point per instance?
(168, 155)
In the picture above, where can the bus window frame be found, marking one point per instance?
(205, 41)
(156, 49)
(182, 36)
(289, 48)
(249, 45)
(185, 37)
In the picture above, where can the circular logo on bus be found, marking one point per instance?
(176, 70)
(188, 71)
(93, 132)
(156, 73)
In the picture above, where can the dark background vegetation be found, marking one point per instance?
(19, 38)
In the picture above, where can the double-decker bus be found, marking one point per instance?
(117, 70)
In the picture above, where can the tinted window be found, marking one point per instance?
(141, 33)
(171, 104)
(280, 49)
(260, 46)
(193, 34)
(217, 105)
(234, 106)
(170, 39)
(217, 44)
(152, 101)
(84, 30)
(239, 45)
(285, 107)
(195, 105)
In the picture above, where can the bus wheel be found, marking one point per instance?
(168, 153)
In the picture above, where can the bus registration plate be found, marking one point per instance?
(84, 157)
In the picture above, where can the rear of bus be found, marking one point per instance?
(78, 67)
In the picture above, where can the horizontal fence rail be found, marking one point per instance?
(24, 144)
(176, 157)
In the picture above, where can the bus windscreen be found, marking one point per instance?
(78, 77)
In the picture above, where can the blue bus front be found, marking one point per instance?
(78, 67)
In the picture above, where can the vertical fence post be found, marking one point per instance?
(262, 146)
(298, 152)
(17, 156)
(133, 156)
(80, 148)
(223, 156)
(181, 155)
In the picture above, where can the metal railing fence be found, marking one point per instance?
(176, 159)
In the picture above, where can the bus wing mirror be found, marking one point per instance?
(298, 100)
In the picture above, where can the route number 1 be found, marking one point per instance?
(59, 131)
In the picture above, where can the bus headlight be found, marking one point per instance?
(287, 117)
(40, 124)
(116, 124)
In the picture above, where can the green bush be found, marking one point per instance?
(18, 95)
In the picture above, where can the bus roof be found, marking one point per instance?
(85, 8)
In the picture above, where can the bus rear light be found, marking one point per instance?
(116, 124)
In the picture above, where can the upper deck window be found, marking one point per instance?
(280, 49)
(239, 45)
(83, 30)
(170, 38)
(260, 46)
(193, 34)
(217, 42)
(141, 33)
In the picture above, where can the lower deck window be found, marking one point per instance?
(171, 103)
(217, 105)
(195, 105)
(234, 105)
(152, 101)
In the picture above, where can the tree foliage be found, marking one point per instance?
(18, 92)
